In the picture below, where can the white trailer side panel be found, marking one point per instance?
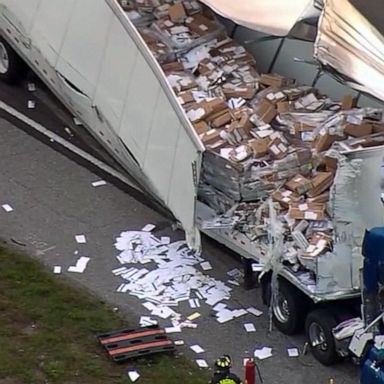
(103, 71)
(50, 26)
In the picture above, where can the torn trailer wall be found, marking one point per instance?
(348, 42)
(264, 134)
(265, 15)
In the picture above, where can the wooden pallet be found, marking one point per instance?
(131, 343)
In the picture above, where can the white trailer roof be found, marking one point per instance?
(274, 17)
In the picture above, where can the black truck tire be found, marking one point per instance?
(289, 309)
(318, 328)
(12, 67)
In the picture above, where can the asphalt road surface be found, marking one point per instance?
(53, 200)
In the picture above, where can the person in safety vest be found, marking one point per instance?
(222, 374)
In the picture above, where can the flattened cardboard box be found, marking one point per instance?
(361, 130)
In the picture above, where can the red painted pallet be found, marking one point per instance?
(130, 343)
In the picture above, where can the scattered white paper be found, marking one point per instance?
(165, 240)
(80, 266)
(194, 303)
(254, 311)
(7, 208)
(148, 228)
(175, 276)
(176, 329)
(77, 121)
(57, 270)
(202, 363)
(249, 327)
(194, 316)
(81, 239)
(31, 87)
(263, 353)
(206, 266)
(31, 104)
(179, 342)
(197, 349)
(146, 321)
(99, 183)
(133, 375)
(219, 307)
(293, 352)
(233, 282)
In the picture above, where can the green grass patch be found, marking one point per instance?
(48, 333)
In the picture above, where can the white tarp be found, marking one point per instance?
(274, 17)
(349, 43)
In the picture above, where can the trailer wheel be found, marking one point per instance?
(289, 309)
(318, 326)
(12, 67)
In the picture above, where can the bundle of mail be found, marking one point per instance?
(265, 136)
(172, 274)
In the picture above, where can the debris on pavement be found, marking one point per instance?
(99, 183)
(170, 275)
(81, 239)
(57, 270)
(31, 87)
(263, 353)
(80, 266)
(293, 352)
(148, 228)
(133, 375)
(125, 344)
(249, 327)
(197, 349)
(7, 208)
(31, 104)
(202, 363)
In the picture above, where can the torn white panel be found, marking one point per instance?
(264, 15)
(80, 266)
(349, 43)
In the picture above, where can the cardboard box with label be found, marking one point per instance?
(285, 197)
(299, 184)
(320, 183)
(307, 211)
(266, 111)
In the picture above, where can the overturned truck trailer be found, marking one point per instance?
(220, 113)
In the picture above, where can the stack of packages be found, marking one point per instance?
(264, 135)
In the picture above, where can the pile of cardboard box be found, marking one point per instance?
(265, 136)
(180, 24)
